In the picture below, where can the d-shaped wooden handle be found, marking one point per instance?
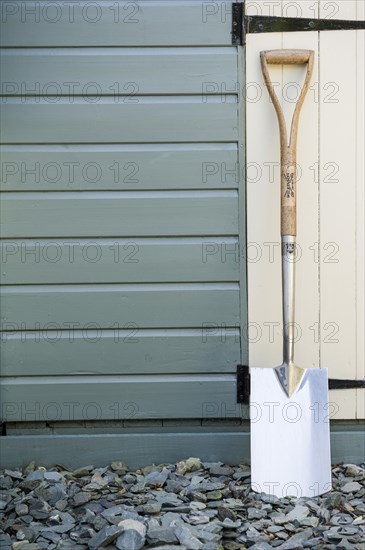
(287, 57)
(288, 150)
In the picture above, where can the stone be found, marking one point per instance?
(173, 486)
(29, 485)
(5, 542)
(189, 465)
(324, 514)
(39, 509)
(359, 521)
(105, 536)
(196, 505)
(133, 535)
(83, 471)
(54, 476)
(341, 519)
(212, 546)
(197, 495)
(214, 495)
(211, 506)
(14, 474)
(224, 513)
(21, 509)
(25, 545)
(81, 498)
(36, 475)
(157, 479)
(218, 470)
(152, 508)
(351, 487)
(187, 539)
(196, 520)
(209, 486)
(193, 464)
(116, 510)
(334, 500)
(312, 543)
(298, 513)
(29, 468)
(290, 546)
(119, 466)
(161, 534)
(171, 519)
(61, 504)
(344, 544)
(255, 513)
(310, 521)
(351, 470)
(51, 493)
(25, 533)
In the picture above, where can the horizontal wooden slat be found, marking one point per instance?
(148, 119)
(227, 446)
(211, 349)
(119, 167)
(97, 214)
(112, 71)
(116, 23)
(112, 306)
(114, 397)
(119, 261)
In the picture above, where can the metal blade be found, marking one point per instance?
(289, 377)
(290, 443)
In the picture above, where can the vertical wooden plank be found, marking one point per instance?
(360, 207)
(337, 245)
(263, 200)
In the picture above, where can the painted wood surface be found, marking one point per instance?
(120, 167)
(213, 348)
(124, 162)
(109, 120)
(231, 446)
(126, 72)
(330, 271)
(141, 260)
(116, 23)
(115, 306)
(96, 397)
(108, 214)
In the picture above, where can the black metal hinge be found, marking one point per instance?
(243, 384)
(243, 24)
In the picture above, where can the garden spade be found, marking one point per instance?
(290, 445)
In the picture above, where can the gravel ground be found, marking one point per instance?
(191, 505)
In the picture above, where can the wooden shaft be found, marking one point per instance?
(288, 192)
(288, 150)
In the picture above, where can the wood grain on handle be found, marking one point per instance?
(289, 57)
(288, 149)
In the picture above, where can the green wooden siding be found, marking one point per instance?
(123, 214)
(124, 167)
(118, 23)
(112, 71)
(109, 214)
